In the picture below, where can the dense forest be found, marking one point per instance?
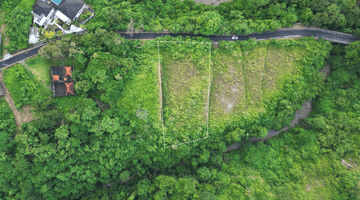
(107, 142)
(236, 16)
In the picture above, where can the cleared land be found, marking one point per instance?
(240, 85)
(253, 66)
(185, 83)
(280, 64)
(228, 95)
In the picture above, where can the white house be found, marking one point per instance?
(43, 13)
(65, 10)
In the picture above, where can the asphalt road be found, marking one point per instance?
(19, 57)
(325, 34)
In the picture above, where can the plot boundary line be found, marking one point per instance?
(161, 96)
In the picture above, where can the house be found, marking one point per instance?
(46, 11)
(72, 8)
(43, 13)
(33, 35)
(62, 82)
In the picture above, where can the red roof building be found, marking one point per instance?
(55, 78)
(62, 81)
(68, 71)
(69, 87)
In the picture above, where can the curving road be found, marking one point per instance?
(333, 36)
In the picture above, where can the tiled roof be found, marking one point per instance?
(70, 8)
(69, 88)
(55, 77)
(68, 71)
(42, 8)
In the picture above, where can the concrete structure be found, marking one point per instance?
(59, 15)
(33, 35)
(43, 13)
(46, 11)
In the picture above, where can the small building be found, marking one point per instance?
(33, 35)
(62, 82)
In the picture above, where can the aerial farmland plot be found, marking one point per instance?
(185, 79)
(242, 81)
(228, 95)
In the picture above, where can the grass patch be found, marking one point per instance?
(227, 97)
(23, 86)
(280, 64)
(185, 91)
(41, 67)
(140, 97)
(253, 66)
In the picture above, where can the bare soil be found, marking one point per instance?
(20, 116)
(299, 26)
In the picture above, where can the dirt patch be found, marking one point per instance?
(26, 115)
(20, 116)
(300, 26)
(325, 71)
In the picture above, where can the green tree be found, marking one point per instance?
(208, 23)
(353, 56)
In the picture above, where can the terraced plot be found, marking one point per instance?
(280, 64)
(228, 96)
(253, 66)
(240, 85)
(185, 90)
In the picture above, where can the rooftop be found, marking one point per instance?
(42, 7)
(62, 82)
(70, 8)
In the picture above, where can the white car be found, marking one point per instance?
(234, 37)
